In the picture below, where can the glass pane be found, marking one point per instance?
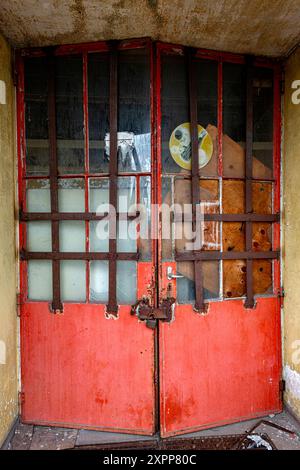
(98, 108)
(69, 114)
(39, 236)
(175, 115)
(167, 225)
(134, 138)
(39, 280)
(207, 94)
(73, 281)
(126, 229)
(186, 285)
(263, 123)
(126, 282)
(36, 116)
(98, 195)
(71, 195)
(262, 197)
(72, 235)
(234, 278)
(99, 281)
(234, 120)
(38, 196)
(99, 203)
(145, 219)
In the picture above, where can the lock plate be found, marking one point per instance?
(145, 312)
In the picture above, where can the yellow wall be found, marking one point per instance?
(291, 227)
(8, 320)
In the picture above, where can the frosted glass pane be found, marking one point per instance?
(39, 280)
(126, 236)
(38, 196)
(73, 281)
(72, 235)
(39, 236)
(99, 236)
(126, 282)
(98, 194)
(145, 224)
(126, 193)
(99, 281)
(71, 195)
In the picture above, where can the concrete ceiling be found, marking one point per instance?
(263, 27)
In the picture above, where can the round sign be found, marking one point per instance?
(181, 147)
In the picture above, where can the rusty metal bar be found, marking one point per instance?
(249, 302)
(199, 301)
(74, 255)
(56, 301)
(225, 255)
(229, 217)
(29, 216)
(112, 306)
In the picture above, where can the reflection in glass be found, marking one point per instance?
(234, 120)
(98, 109)
(36, 116)
(134, 139)
(186, 284)
(69, 114)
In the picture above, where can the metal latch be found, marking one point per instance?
(145, 312)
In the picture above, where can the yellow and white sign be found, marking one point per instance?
(181, 147)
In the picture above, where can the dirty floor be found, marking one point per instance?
(28, 437)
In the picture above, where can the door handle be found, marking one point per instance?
(170, 274)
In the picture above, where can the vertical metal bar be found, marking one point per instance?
(199, 303)
(249, 303)
(112, 306)
(86, 166)
(56, 302)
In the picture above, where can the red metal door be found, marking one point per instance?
(220, 355)
(86, 361)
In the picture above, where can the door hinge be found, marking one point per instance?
(21, 398)
(280, 295)
(281, 388)
(18, 304)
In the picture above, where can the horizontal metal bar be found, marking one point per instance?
(229, 217)
(225, 255)
(49, 255)
(34, 216)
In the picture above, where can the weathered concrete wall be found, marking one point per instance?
(269, 27)
(291, 252)
(8, 320)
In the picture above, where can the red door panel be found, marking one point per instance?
(80, 369)
(221, 367)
